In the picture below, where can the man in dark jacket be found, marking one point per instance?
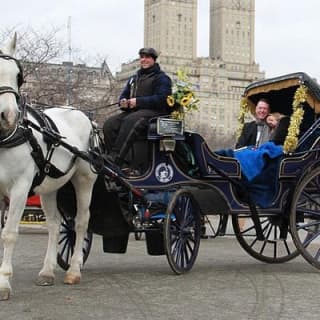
(256, 132)
(144, 97)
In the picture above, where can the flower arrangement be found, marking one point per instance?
(291, 140)
(183, 98)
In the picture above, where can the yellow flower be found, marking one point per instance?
(183, 97)
(170, 101)
(185, 101)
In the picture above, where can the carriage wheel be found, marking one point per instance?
(67, 242)
(273, 249)
(305, 217)
(182, 230)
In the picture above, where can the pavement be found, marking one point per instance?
(224, 284)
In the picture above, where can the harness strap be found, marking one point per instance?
(46, 168)
(14, 139)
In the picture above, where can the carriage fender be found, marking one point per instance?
(210, 201)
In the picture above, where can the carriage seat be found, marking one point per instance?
(210, 162)
(264, 188)
(164, 130)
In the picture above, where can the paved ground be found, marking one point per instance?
(225, 283)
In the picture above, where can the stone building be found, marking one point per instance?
(170, 26)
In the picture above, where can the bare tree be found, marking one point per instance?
(36, 47)
(50, 81)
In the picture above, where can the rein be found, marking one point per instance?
(102, 107)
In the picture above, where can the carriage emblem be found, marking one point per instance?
(164, 172)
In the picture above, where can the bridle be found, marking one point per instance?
(8, 89)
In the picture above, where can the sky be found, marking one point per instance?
(286, 31)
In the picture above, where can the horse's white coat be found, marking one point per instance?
(18, 170)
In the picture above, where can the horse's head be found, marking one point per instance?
(10, 81)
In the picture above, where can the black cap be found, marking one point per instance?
(149, 52)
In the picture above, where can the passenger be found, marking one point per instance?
(256, 132)
(278, 124)
(253, 160)
(273, 120)
(144, 97)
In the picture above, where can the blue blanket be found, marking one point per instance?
(259, 168)
(253, 161)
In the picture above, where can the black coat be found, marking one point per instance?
(281, 131)
(151, 87)
(248, 135)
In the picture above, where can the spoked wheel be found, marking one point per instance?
(305, 217)
(182, 230)
(67, 242)
(273, 249)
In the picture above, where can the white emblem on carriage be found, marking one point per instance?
(164, 172)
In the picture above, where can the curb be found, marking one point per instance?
(32, 227)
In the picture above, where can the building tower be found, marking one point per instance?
(232, 30)
(170, 26)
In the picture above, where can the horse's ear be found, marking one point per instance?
(10, 48)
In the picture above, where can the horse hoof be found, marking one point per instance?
(70, 279)
(45, 281)
(4, 294)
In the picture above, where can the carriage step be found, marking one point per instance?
(115, 244)
(154, 242)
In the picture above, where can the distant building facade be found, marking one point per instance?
(219, 80)
(91, 89)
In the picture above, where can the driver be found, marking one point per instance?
(143, 97)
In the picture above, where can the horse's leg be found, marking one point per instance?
(49, 206)
(9, 237)
(83, 185)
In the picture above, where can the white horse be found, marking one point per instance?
(18, 170)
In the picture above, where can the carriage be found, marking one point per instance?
(183, 182)
(59, 154)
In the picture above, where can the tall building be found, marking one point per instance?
(232, 30)
(220, 79)
(171, 27)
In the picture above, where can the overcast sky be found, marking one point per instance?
(286, 33)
